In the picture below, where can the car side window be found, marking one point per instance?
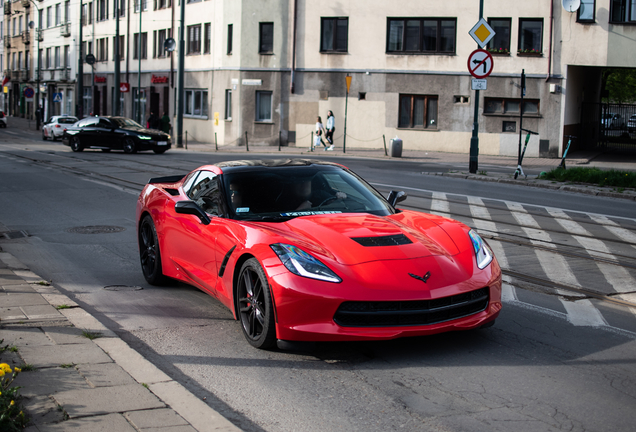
(105, 123)
(207, 193)
(87, 122)
(189, 181)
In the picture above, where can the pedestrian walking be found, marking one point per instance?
(165, 123)
(152, 121)
(331, 126)
(320, 130)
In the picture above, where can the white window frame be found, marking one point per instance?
(190, 105)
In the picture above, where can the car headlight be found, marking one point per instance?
(301, 263)
(143, 137)
(482, 251)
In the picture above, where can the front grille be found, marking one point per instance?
(410, 313)
(391, 240)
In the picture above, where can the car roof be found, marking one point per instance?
(259, 164)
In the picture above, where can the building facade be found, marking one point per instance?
(263, 70)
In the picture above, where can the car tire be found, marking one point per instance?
(130, 146)
(43, 135)
(256, 316)
(149, 253)
(160, 151)
(76, 146)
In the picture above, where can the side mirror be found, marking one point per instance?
(396, 197)
(192, 208)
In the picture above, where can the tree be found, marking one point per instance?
(620, 85)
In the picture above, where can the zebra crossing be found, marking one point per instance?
(604, 257)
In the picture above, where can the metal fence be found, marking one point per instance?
(608, 126)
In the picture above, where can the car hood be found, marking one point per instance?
(361, 238)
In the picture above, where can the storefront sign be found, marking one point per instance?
(100, 79)
(159, 79)
(254, 82)
(124, 87)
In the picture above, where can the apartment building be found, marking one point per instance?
(265, 69)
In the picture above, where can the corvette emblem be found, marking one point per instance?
(422, 278)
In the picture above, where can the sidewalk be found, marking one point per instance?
(85, 378)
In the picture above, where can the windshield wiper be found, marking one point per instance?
(269, 218)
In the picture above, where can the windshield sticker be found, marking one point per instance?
(242, 209)
(309, 213)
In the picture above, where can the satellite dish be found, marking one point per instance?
(571, 5)
(169, 44)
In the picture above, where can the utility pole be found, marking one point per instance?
(180, 75)
(140, 116)
(80, 69)
(117, 61)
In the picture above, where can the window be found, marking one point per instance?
(586, 12)
(162, 35)
(40, 58)
(144, 4)
(418, 112)
(623, 11)
(228, 104)
(507, 106)
(193, 1)
(122, 47)
(196, 103)
(266, 38)
(20, 60)
(194, 39)
(102, 11)
(90, 13)
(102, 49)
(264, 106)
(67, 11)
(67, 56)
(500, 43)
(162, 4)
(57, 58)
(41, 19)
(229, 38)
(49, 17)
(144, 46)
(122, 7)
(139, 106)
(207, 193)
(530, 35)
(48, 58)
(421, 35)
(334, 34)
(207, 37)
(27, 57)
(58, 14)
(87, 99)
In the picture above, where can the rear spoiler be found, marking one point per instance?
(168, 179)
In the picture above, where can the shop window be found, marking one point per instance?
(418, 112)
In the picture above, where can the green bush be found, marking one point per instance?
(614, 178)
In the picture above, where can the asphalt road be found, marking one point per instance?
(533, 371)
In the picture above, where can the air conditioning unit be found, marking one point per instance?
(65, 30)
(26, 3)
(26, 37)
(7, 8)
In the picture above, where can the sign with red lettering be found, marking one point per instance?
(159, 79)
(100, 79)
(124, 87)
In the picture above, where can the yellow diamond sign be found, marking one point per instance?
(482, 33)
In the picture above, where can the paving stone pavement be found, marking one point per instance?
(79, 383)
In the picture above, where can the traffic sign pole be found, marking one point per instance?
(473, 159)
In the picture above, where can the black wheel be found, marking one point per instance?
(149, 253)
(76, 146)
(105, 150)
(516, 174)
(160, 151)
(130, 146)
(255, 306)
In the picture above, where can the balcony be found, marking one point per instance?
(7, 8)
(26, 37)
(65, 29)
(23, 75)
(26, 4)
(7, 42)
(65, 74)
(7, 73)
(38, 35)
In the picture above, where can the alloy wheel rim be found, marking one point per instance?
(148, 249)
(251, 303)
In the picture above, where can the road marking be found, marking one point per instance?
(615, 229)
(440, 205)
(580, 312)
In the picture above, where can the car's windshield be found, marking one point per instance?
(124, 122)
(286, 192)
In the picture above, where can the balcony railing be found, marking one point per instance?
(23, 75)
(65, 29)
(26, 37)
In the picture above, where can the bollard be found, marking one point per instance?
(247, 144)
(279, 135)
(186, 140)
(311, 144)
(216, 145)
(384, 139)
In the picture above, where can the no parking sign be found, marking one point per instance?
(28, 93)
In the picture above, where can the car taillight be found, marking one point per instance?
(57, 125)
(64, 130)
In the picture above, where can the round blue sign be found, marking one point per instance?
(28, 92)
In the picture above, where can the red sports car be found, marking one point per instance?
(304, 250)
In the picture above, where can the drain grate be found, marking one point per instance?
(122, 288)
(96, 229)
(15, 235)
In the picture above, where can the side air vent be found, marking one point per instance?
(392, 240)
(173, 192)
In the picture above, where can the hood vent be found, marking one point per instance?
(392, 240)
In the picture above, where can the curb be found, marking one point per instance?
(197, 413)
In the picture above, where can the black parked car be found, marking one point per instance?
(114, 133)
